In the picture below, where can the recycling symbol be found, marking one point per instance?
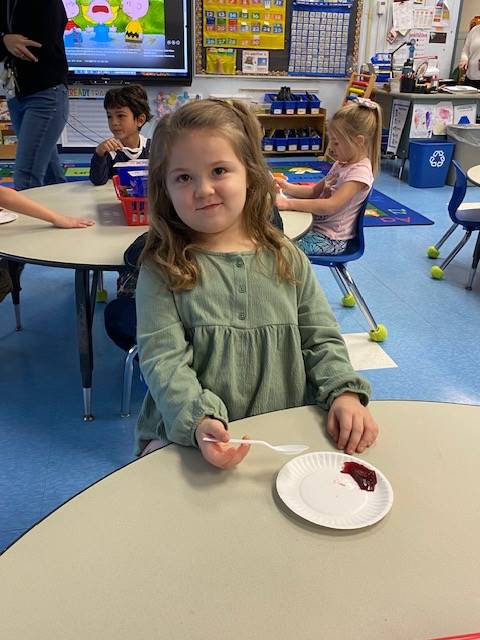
(437, 158)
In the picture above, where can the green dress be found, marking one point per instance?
(240, 343)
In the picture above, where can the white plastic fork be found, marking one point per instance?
(289, 449)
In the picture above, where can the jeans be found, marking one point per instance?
(121, 322)
(38, 120)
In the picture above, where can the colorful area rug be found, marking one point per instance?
(382, 211)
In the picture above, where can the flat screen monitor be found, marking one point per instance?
(129, 41)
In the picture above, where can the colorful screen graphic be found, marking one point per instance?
(128, 40)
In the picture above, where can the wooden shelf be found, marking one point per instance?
(316, 121)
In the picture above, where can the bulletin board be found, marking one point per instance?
(431, 24)
(277, 37)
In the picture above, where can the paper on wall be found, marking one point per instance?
(465, 110)
(397, 123)
(443, 115)
(403, 16)
(422, 121)
(255, 61)
(422, 18)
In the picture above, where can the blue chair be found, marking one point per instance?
(466, 215)
(338, 267)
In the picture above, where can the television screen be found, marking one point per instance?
(129, 40)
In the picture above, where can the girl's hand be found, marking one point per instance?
(220, 454)
(64, 222)
(463, 64)
(112, 144)
(18, 45)
(350, 424)
(282, 202)
(281, 185)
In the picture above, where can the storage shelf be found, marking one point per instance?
(316, 121)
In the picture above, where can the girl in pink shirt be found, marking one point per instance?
(354, 135)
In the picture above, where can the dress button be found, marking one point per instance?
(242, 288)
(242, 316)
(239, 263)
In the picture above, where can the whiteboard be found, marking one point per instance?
(87, 123)
(426, 31)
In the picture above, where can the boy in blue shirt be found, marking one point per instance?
(127, 111)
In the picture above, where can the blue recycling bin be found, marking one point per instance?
(429, 161)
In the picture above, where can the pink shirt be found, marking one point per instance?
(341, 225)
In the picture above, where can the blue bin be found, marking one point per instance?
(429, 161)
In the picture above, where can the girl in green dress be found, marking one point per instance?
(231, 319)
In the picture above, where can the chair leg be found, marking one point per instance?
(446, 235)
(377, 331)
(127, 381)
(453, 253)
(475, 261)
(101, 295)
(348, 299)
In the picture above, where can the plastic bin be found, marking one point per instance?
(135, 209)
(467, 147)
(429, 161)
(122, 169)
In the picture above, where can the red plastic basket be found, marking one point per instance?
(134, 208)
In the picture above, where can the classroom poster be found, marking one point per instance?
(246, 24)
(465, 112)
(443, 115)
(397, 123)
(255, 62)
(422, 120)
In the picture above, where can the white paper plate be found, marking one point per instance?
(313, 487)
(7, 216)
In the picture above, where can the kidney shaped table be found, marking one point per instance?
(87, 251)
(170, 547)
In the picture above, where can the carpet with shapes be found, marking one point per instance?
(382, 211)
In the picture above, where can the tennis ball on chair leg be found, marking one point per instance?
(437, 273)
(433, 252)
(379, 334)
(348, 300)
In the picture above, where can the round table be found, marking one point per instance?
(171, 547)
(87, 251)
(473, 174)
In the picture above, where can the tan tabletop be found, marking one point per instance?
(473, 174)
(296, 223)
(169, 547)
(101, 246)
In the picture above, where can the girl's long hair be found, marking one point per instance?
(169, 243)
(355, 119)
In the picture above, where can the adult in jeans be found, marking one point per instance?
(31, 45)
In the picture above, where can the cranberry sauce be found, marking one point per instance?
(364, 477)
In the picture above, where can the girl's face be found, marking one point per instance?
(124, 125)
(339, 149)
(207, 185)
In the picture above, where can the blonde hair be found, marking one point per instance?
(355, 119)
(169, 245)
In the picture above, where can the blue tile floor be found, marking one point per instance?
(48, 454)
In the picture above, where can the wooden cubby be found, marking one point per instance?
(315, 121)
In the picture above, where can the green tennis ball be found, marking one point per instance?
(437, 273)
(348, 300)
(433, 252)
(379, 334)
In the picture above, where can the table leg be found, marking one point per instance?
(85, 305)
(475, 261)
(15, 269)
